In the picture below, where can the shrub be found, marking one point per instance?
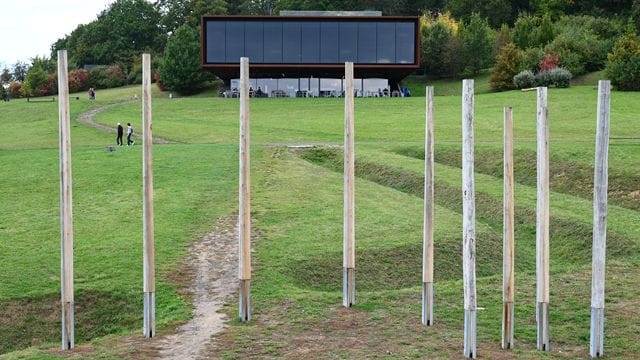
(106, 77)
(548, 62)
(523, 31)
(531, 59)
(135, 75)
(559, 77)
(503, 37)
(579, 50)
(15, 90)
(507, 66)
(524, 79)
(78, 80)
(623, 67)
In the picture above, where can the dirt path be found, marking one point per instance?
(87, 118)
(214, 262)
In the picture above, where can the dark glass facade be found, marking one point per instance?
(310, 41)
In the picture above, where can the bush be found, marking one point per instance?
(524, 79)
(548, 62)
(15, 90)
(78, 80)
(579, 50)
(623, 67)
(531, 59)
(107, 77)
(507, 66)
(135, 75)
(557, 77)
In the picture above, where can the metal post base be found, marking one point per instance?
(427, 304)
(348, 287)
(542, 318)
(507, 325)
(245, 300)
(149, 317)
(596, 348)
(68, 332)
(470, 333)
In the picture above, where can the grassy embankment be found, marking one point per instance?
(297, 203)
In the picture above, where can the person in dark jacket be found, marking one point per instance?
(120, 133)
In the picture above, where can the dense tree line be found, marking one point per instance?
(458, 36)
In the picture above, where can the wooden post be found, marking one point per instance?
(427, 246)
(66, 211)
(508, 239)
(600, 180)
(244, 259)
(468, 221)
(349, 237)
(542, 223)
(149, 317)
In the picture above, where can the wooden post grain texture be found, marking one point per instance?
(244, 246)
(508, 237)
(600, 181)
(149, 277)
(542, 222)
(468, 221)
(66, 210)
(429, 206)
(349, 237)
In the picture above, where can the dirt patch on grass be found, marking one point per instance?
(213, 265)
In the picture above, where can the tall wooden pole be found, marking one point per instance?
(244, 259)
(349, 237)
(508, 239)
(542, 223)
(596, 348)
(468, 222)
(149, 317)
(66, 211)
(427, 246)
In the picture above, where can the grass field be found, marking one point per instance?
(297, 211)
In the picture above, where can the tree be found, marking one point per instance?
(6, 76)
(20, 71)
(123, 30)
(476, 44)
(180, 69)
(176, 13)
(498, 11)
(507, 66)
(545, 31)
(503, 37)
(623, 67)
(523, 31)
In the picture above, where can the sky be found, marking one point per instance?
(29, 27)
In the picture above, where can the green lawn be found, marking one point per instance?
(297, 211)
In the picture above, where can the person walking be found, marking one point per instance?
(129, 133)
(120, 133)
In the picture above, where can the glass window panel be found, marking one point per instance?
(288, 86)
(375, 87)
(291, 42)
(405, 43)
(304, 84)
(314, 87)
(310, 42)
(329, 43)
(348, 42)
(366, 43)
(272, 42)
(216, 41)
(234, 41)
(268, 86)
(386, 43)
(253, 41)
